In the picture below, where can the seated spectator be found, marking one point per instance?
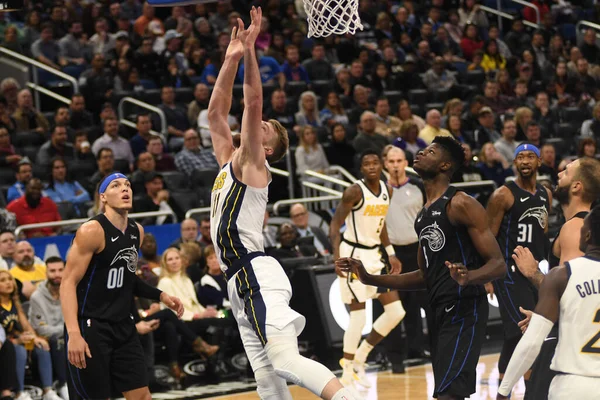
(139, 142)
(62, 188)
(148, 62)
(492, 59)
(193, 157)
(80, 117)
(545, 115)
(191, 252)
(470, 41)
(468, 172)
(175, 77)
(270, 71)
(47, 320)
(433, 127)
(405, 114)
(317, 67)
(212, 290)
(280, 111)
(189, 232)
(106, 164)
(409, 140)
(200, 102)
(177, 122)
(97, 83)
(8, 361)
(486, 132)
(57, 146)
(587, 148)
(590, 127)
(507, 144)
(21, 334)
(205, 238)
(84, 163)
(470, 117)
(9, 155)
(156, 198)
(455, 128)
(269, 232)
(145, 163)
(120, 146)
(438, 77)
(308, 113)
(150, 260)
(74, 48)
(7, 249)
(288, 245)
(62, 118)
(309, 154)
(368, 138)
(505, 85)
(493, 165)
(202, 124)
(23, 175)
(102, 42)
(549, 164)
(333, 113)
(360, 104)
(299, 216)
(533, 134)
(46, 50)
(292, 69)
(26, 270)
(26, 117)
(521, 98)
(340, 151)
(6, 120)
(385, 124)
(32, 208)
(163, 161)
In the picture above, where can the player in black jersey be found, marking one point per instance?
(578, 186)
(97, 292)
(518, 216)
(457, 255)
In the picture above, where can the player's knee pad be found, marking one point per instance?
(269, 386)
(508, 348)
(393, 313)
(291, 366)
(353, 334)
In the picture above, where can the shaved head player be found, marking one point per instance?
(259, 289)
(97, 290)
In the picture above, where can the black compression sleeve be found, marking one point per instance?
(143, 290)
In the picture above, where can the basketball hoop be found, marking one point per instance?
(173, 3)
(327, 17)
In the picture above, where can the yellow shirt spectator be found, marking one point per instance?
(489, 63)
(35, 275)
(429, 133)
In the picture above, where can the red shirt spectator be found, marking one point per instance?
(530, 15)
(32, 208)
(470, 42)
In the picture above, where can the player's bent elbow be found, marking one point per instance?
(500, 270)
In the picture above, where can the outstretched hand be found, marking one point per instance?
(248, 36)
(235, 50)
(352, 266)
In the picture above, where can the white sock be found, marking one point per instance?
(343, 394)
(362, 352)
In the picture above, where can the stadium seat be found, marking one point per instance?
(295, 89)
(418, 96)
(122, 166)
(30, 152)
(148, 84)
(28, 138)
(394, 97)
(573, 115)
(203, 178)
(175, 180)
(567, 132)
(440, 95)
(184, 95)
(151, 97)
(475, 78)
(321, 88)
(66, 210)
(434, 106)
(186, 200)
(559, 144)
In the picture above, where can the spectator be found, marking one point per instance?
(9, 158)
(409, 140)
(308, 110)
(200, 102)
(119, 145)
(368, 138)
(492, 59)
(270, 71)
(493, 165)
(84, 163)
(47, 320)
(469, 171)
(11, 39)
(7, 249)
(470, 41)
(505, 86)
(32, 208)
(288, 245)
(469, 117)
(6, 121)
(317, 66)
(452, 107)
(382, 78)
(163, 161)
(97, 83)
(9, 89)
(148, 63)
(523, 116)
(74, 48)
(589, 50)
(291, 68)
(549, 164)
(521, 98)
(587, 148)
(486, 132)
(57, 146)
(149, 263)
(142, 22)
(202, 124)
(20, 332)
(545, 115)
(438, 77)
(507, 144)
(156, 198)
(591, 127)
(27, 269)
(517, 39)
(360, 104)
(177, 122)
(269, 233)
(23, 175)
(189, 232)
(63, 189)
(205, 236)
(62, 117)
(534, 134)
(80, 117)
(299, 216)
(28, 118)
(8, 361)
(192, 157)
(139, 142)
(470, 13)
(309, 154)
(454, 127)
(386, 124)
(333, 112)
(145, 163)
(433, 127)
(340, 151)
(280, 111)
(46, 50)
(405, 114)
(106, 164)
(492, 98)
(212, 290)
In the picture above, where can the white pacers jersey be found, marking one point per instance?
(364, 223)
(236, 217)
(578, 349)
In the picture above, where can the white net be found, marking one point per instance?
(332, 17)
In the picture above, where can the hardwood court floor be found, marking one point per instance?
(416, 383)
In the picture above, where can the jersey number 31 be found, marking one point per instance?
(525, 233)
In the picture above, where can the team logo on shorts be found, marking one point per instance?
(129, 255)
(434, 235)
(540, 213)
(384, 196)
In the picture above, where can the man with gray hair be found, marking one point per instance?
(368, 138)
(189, 232)
(433, 127)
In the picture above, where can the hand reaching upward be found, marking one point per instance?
(248, 36)
(235, 50)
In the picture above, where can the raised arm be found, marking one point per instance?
(220, 100)
(350, 198)
(465, 210)
(252, 129)
(497, 206)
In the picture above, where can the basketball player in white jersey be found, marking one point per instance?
(258, 288)
(364, 207)
(569, 293)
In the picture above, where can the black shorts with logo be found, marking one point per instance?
(117, 364)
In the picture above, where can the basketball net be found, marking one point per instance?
(327, 17)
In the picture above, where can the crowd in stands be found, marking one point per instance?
(416, 71)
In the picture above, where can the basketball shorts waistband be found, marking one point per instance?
(360, 246)
(242, 262)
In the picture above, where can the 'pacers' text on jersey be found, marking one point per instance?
(364, 223)
(236, 218)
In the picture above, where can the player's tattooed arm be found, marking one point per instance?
(351, 197)
(465, 210)
(500, 201)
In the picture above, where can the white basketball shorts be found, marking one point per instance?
(350, 287)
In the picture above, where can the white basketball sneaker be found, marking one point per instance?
(23, 396)
(51, 395)
(64, 392)
(360, 375)
(347, 378)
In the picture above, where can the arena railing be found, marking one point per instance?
(500, 14)
(163, 119)
(589, 24)
(79, 221)
(195, 211)
(37, 88)
(530, 5)
(280, 203)
(343, 171)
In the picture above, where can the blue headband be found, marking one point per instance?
(527, 147)
(108, 180)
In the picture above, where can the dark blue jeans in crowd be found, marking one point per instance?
(59, 359)
(44, 363)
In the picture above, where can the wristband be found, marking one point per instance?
(389, 249)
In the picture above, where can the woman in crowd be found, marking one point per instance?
(62, 189)
(194, 262)
(406, 114)
(310, 154)
(8, 360)
(452, 107)
(454, 126)
(308, 113)
(212, 290)
(333, 112)
(409, 140)
(492, 59)
(21, 334)
(470, 41)
(493, 165)
(340, 151)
